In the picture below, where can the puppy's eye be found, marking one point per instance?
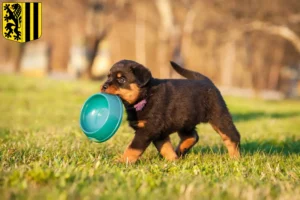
(121, 80)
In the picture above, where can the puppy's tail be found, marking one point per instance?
(188, 73)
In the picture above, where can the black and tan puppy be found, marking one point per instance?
(158, 107)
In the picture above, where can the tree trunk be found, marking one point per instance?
(165, 34)
(140, 32)
(92, 49)
(276, 67)
(18, 59)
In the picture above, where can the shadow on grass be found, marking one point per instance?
(269, 147)
(238, 117)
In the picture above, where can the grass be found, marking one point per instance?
(44, 154)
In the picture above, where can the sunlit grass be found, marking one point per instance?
(43, 153)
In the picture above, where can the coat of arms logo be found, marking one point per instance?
(22, 22)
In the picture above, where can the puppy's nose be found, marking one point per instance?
(104, 87)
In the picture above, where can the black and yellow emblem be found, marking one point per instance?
(22, 22)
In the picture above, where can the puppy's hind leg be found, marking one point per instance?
(187, 140)
(228, 132)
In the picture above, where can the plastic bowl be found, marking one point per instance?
(101, 116)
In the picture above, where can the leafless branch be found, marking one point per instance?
(279, 30)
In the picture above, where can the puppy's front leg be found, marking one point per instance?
(136, 148)
(165, 148)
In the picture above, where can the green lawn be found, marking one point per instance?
(44, 154)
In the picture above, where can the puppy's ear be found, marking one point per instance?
(142, 74)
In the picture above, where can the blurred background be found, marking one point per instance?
(247, 47)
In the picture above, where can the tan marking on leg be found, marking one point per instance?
(131, 155)
(232, 147)
(130, 95)
(119, 75)
(186, 144)
(165, 148)
(141, 123)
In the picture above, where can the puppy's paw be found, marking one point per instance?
(181, 153)
(127, 160)
(235, 154)
(171, 158)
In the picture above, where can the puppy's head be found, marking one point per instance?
(126, 79)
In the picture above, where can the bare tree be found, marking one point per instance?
(101, 16)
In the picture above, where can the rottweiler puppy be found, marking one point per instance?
(157, 108)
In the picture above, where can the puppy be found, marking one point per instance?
(158, 107)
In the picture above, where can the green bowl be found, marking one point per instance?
(101, 116)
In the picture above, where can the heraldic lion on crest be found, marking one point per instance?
(14, 19)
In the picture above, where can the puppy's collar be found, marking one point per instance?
(140, 105)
